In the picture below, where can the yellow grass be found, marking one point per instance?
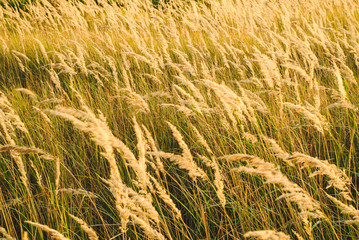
(208, 119)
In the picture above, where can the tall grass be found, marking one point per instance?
(184, 120)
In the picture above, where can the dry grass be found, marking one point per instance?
(179, 120)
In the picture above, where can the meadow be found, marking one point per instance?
(184, 119)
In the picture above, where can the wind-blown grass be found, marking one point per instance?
(184, 120)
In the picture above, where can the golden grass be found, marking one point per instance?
(179, 119)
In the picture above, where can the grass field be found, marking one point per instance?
(213, 119)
